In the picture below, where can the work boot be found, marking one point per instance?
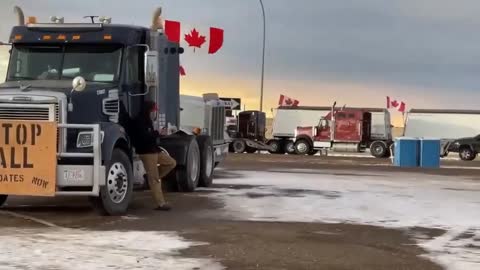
(163, 207)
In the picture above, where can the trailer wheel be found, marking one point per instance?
(302, 147)
(289, 147)
(3, 199)
(379, 149)
(207, 160)
(188, 176)
(466, 153)
(276, 147)
(116, 195)
(239, 146)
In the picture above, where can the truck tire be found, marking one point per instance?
(188, 176)
(3, 199)
(466, 153)
(379, 149)
(239, 146)
(276, 146)
(289, 147)
(302, 147)
(116, 195)
(207, 160)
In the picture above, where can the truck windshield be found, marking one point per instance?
(93, 62)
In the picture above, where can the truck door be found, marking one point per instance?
(322, 131)
(133, 87)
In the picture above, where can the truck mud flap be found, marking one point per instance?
(177, 147)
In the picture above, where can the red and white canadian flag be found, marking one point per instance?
(194, 38)
(399, 105)
(287, 101)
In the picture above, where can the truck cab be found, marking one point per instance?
(347, 130)
(90, 80)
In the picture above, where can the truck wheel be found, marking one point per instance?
(466, 153)
(189, 175)
(117, 193)
(276, 146)
(207, 160)
(289, 147)
(3, 199)
(239, 146)
(379, 149)
(302, 147)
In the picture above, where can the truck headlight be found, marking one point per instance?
(85, 139)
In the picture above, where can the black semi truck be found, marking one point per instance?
(86, 77)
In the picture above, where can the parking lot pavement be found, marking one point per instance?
(265, 212)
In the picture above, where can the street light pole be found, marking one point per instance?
(263, 56)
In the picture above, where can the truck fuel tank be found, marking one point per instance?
(346, 147)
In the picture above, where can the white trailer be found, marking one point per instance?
(446, 125)
(442, 124)
(287, 119)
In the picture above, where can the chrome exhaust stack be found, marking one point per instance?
(20, 15)
(157, 22)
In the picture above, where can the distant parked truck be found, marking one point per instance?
(446, 125)
(287, 120)
(345, 130)
(248, 132)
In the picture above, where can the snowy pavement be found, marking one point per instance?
(392, 200)
(62, 249)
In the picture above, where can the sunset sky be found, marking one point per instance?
(424, 52)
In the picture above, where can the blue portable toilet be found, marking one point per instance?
(429, 153)
(406, 152)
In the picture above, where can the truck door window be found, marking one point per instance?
(133, 75)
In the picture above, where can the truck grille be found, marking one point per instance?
(218, 124)
(32, 112)
(16, 113)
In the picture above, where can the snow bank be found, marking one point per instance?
(395, 200)
(69, 249)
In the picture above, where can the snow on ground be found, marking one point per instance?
(62, 249)
(396, 200)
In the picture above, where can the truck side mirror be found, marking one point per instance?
(151, 68)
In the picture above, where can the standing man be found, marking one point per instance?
(158, 164)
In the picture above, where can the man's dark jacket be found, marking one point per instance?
(141, 132)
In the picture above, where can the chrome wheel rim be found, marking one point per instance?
(194, 164)
(117, 182)
(290, 147)
(466, 154)
(302, 147)
(209, 160)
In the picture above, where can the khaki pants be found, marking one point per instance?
(157, 165)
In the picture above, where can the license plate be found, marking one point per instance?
(74, 175)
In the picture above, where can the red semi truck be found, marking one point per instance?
(349, 130)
